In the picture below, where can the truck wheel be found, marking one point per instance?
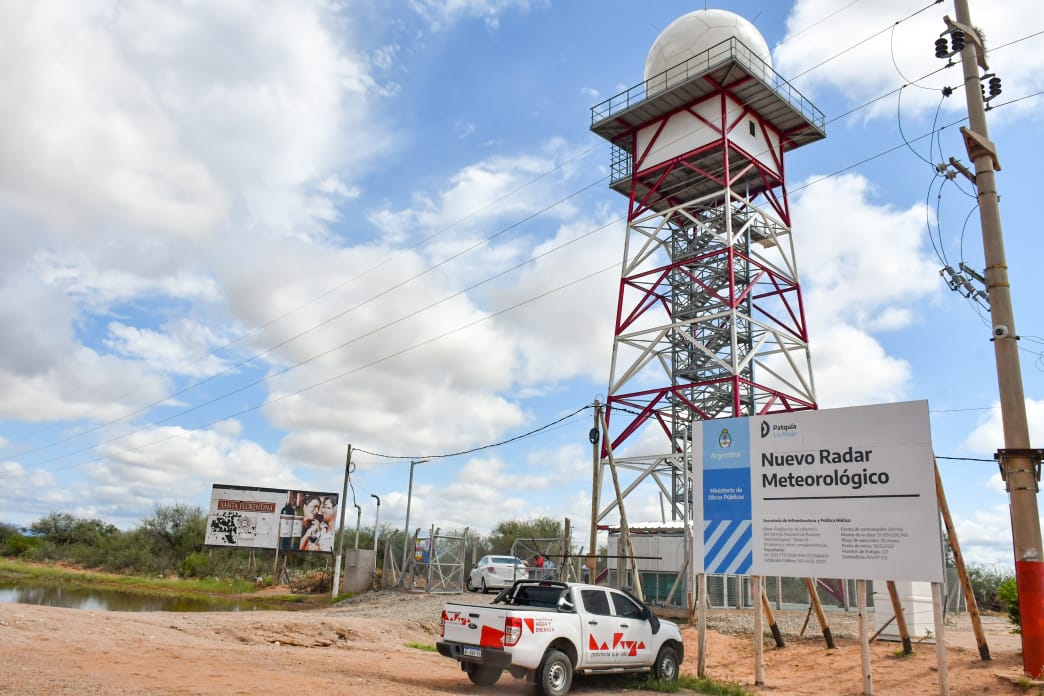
(484, 675)
(555, 674)
(666, 665)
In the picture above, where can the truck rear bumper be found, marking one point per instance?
(466, 653)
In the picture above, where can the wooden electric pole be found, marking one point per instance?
(1020, 465)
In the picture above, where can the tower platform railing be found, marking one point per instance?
(729, 50)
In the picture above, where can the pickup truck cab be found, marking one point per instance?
(546, 632)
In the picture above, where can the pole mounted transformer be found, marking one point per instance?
(710, 321)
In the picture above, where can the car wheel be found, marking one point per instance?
(484, 675)
(471, 588)
(555, 674)
(483, 586)
(666, 666)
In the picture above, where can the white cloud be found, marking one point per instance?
(83, 385)
(145, 147)
(185, 466)
(37, 325)
(89, 133)
(439, 13)
(569, 332)
(860, 258)
(851, 368)
(498, 191)
(985, 538)
(463, 129)
(183, 347)
(864, 270)
(988, 435)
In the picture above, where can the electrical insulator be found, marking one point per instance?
(995, 87)
(958, 40)
(942, 48)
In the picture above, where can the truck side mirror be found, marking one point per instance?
(652, 618)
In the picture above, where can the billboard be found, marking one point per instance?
(841, 493)
(292, 521)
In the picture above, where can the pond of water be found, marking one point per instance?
(95, 599)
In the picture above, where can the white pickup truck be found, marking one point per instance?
(546, 631)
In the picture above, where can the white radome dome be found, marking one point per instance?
(692, 34)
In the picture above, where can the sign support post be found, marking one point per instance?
(864, 638)
(940, 639)
(759, 633)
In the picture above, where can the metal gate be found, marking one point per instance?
(446, 563)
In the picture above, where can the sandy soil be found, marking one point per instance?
(353, 648)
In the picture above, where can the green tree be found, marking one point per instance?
(56, 528)
(505, 533)
(172, 533)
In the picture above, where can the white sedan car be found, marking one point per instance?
(496, 572)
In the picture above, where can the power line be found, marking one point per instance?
(504, 230)
(483, 447)
(328, 380)
(322, 323)
(314, 357)
(860, 43)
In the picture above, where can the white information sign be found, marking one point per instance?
(840, 493)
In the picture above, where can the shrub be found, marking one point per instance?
(195, 565)
(986, 582)
(19, 546)
(1009, 596)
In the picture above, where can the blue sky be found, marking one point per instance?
(239, 236)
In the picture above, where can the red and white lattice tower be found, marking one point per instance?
(710, 321)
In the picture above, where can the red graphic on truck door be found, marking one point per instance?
(619, 647)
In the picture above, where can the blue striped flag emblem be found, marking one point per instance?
(727, 547)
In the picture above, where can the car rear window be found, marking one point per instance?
(505, 560)
(538, 596)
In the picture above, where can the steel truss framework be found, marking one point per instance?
(710, 321)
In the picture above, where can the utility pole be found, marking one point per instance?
(596, 486)
(340, 531)
(1019, 464)
(406, 530)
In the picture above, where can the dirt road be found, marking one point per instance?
(367, 646)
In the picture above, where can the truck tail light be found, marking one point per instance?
(442, 624)
(512, 630)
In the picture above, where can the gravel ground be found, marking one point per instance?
(425, 609)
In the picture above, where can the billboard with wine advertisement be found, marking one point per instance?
(293, 521)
